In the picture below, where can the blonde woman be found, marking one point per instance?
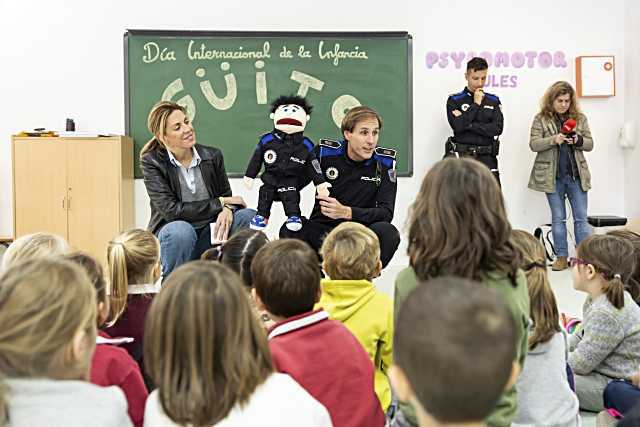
(34, 245)
(47, 338)
(188, 188)
(560, 169)
(209, 357)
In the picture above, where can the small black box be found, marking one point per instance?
(606, 220)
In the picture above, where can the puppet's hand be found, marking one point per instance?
(323, 189)
(248, 183)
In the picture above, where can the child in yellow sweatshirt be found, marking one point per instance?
(351, 259)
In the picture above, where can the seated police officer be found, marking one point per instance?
(476, 119)
(363, 184)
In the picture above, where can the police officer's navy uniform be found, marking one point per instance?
(286, 157)
(367, 187)
(476, 130)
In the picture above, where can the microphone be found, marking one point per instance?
(568, 127)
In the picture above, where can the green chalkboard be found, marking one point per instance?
(228, 79)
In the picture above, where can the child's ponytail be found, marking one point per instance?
(118, 280)
(133, 258)
(615, 291)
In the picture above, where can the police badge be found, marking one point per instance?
(332, 173)
(270, 157)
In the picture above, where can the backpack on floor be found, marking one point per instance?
(549, 249)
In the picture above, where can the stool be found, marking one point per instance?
(605, 221)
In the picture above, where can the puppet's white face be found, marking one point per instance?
(290, 118)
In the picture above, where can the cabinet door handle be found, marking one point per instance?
(64, 207)
(69, 203)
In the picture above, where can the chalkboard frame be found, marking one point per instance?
(281, 34)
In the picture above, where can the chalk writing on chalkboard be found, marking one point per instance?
(226, 81)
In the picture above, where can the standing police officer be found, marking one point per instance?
(476, 119)
(363, 184)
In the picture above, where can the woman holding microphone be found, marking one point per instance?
(559, 136)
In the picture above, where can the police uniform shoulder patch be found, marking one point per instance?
(330, 143)
(388, 152)
(329, 147)
(386, 156)
(458, 96)
(267, 137)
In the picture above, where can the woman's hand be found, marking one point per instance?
(559, 139)
(223, 224)
(333, 208)
(235, 200)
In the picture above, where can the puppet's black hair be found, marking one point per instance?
(291, 99)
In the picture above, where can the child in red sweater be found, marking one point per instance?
(110, 364)
(320, 354)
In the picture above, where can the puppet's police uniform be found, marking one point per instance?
(286, 157)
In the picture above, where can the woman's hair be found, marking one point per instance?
(203, 347)
(157, 124)
(132, 258)
(357, 114)
(458, 225)
(34, 245)
(543, 306)
(555, 90)
(351, 251)
(633, 285)
(614, 258)
(44, 303)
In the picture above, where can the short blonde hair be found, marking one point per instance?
(34, 246)
(357, 114)
(351, 251)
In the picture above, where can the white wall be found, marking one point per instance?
(65, 59)
(632, 111)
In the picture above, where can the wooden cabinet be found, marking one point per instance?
(78, 188)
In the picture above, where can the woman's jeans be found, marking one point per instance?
(180, 242)
(568, 187)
